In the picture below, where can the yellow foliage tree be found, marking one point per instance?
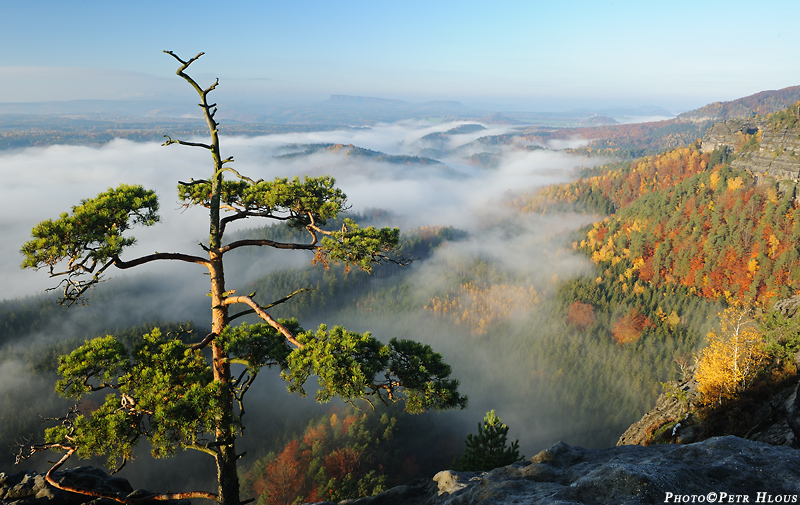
(480, 306)
(732, 359)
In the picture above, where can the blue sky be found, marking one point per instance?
(529, 55)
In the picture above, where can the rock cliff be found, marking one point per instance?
(715, 470)
(771, 152)
(673, 419)
(724, 469)
(771, 416)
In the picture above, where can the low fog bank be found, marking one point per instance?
(41, 183)
(494, 368)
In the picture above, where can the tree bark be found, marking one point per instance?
(227, 476)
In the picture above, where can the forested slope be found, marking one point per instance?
(711, 222)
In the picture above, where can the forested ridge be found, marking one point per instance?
(686, 218)
(679, 236)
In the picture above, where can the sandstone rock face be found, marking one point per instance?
(670, 413)
(30, 488)
(716, 470)
(672, 420)
(777, 158)
(727, 133)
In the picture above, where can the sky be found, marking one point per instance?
(534, 55)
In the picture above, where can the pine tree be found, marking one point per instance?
(488, 449)
(191, 396)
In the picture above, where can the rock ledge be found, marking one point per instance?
(630, 475)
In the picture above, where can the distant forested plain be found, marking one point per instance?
(672, 239)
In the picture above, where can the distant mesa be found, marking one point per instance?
(350, 100)
(365, 100)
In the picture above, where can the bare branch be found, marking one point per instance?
(244, 214)
(67, 420)
(113, 496)
(170, 141)
(237, 174)
(120, 467)
(202, 448)
(231, 300)
(193, 182)
(265, 307)
(265, 242)
(203, 343)
(185, 64)
(206, 92)
(159, 256)
(74, 288)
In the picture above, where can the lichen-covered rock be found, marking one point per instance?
(623, 475)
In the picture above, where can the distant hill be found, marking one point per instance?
(337, 110)
(628, 141)
(359, 110)
(95, 122)
(352, 151)
(765, 102)
(459, 130)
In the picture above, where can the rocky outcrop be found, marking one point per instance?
(776, 157)
(715, 470)
(30, 488)
(773, 415)
(673, 420)
(729, 133)
(669, 420)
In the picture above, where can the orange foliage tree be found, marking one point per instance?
(628, 328)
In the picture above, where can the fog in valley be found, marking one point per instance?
(532, 252)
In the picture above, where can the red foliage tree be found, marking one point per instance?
(580, 315)
(286, 475)
(342, 462)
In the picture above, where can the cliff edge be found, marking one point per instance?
(716, 470)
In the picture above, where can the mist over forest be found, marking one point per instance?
(531, 275)
(525, 252)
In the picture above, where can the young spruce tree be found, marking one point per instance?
(181, 396)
